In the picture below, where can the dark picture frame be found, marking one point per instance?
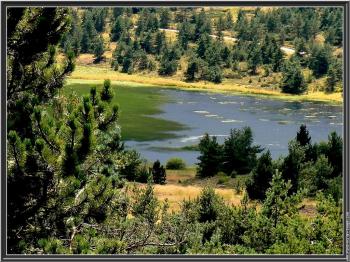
(346, 120)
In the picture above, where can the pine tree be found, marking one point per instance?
(276, 57)
(146, 42)
(202, 25)
(118, 28)
(220, 25)
(292, 164)
(164, 17)
(334, 75)
(192, 69)
(335, 153)
(210, 156)
(89, 33)
(204, 43)
(239, 154)
(99, 15)
(324, 172)
(241, 26)
(228, 21)
(261, 177)
(169, 62)
(254, 57)
(158, 173)
(186, 31)
(303, 136)
(278, 202)
(106, 94)
(160, 42)
(98, 49)
(292, 78)
(319, 60)
(71, 40)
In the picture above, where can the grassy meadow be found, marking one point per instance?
(85, 73)
(137, 105)
(184, 185)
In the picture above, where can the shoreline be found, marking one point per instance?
(99, 74)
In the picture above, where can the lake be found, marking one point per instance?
(274, 122)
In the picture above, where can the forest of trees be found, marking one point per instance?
(142, 44)
(68, 169)
(311, 167)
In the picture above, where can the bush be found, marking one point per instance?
(223, 178)
(175, 164)
(143, 173)
(233, 173)
(130, 162)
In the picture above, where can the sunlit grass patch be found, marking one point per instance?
(138, 105)
(228, 85)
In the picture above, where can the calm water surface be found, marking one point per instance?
(274, 122)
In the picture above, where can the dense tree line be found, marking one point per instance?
(142, 43)
(312, 167)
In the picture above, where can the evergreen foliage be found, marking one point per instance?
(292, 78)
(261, 177)
(210, 156)
(158, 172)
(239, 154)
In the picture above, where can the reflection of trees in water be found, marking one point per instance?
(295, 105)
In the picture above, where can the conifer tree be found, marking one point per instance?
(319, 60)
(335, 153)
(254, 57)
(334, 75)
(158, 173)
(278, 201)
(292, 78)
(303, 136)
(192, 69)
(160, 42)
(164, 17)
(186, 31)
(292, 164)
(98, 49)
(89, 33)
(261, 177)
(210, 156)
(239, 154)
(202, 25)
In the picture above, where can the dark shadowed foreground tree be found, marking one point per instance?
(33, 78)
(261, 177)
(158, 173)
(61, 158)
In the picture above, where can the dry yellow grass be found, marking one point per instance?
(175, 176)
(175, 194)
(101, 73)
(85, 59)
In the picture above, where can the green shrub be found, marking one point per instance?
(233, 173)
(175, 163)
(223, 178)
(143, 173)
